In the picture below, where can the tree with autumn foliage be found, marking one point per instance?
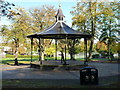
(85, 17)
(16, 33)
(43, 18)
(90, 17)
(27, 23)
(109, 27)
(73, 47)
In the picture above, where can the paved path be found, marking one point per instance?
(108, 73)
(29, 73)
(24, 72)
(106, 69)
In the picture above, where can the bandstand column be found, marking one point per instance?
(85, 51)
(31, 50)
(56, 49)
(65, 50)
(40, 51)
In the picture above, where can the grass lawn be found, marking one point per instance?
(26, 59)
(20, 60)
(51, 84)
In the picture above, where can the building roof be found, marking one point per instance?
(59, 13)
(59, 30)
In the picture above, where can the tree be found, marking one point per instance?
(50, 51)
(86, 22)
(6, 9)
(101, 46)
(43, 18)
(90, 22)
(17, 32)
(27, 23)
(109, 26)
(73, 48)
(115, 48)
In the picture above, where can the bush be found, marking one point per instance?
(95, 56)
(104, 54)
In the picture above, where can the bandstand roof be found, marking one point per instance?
(59, 30)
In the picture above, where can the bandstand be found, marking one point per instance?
(59, 30)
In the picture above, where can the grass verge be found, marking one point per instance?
(51, 84)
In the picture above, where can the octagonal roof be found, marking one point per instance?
(59, 30)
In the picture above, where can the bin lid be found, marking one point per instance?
(88, 67)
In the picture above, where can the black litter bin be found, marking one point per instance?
(88, 76)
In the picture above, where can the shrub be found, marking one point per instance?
(95, 56)
(104, 54)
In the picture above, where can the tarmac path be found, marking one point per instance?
(25, 72)
(107, 72)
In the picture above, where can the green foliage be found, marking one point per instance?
(86, 22)
(6, 9)
(73, 47)
(16, 33)
(101, 46)
(115, 47)
(50, 51)
(109, 27)
(75, 50)
(95, 56)
(24, 60)
(27, 23)
(101, 21)
(42, 17)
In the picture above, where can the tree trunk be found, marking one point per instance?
(71, 52)
(16, 56)
(42, 56)
(93, 26)
(118, 52)
(92, 39)
(71, 46)
(108, 50)
(72, 56)
(92, 33)
(118, 56)
(90, 49)
(16, 51)
(16, 62)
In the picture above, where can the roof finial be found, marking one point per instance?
(59, 4)
(59, 16)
